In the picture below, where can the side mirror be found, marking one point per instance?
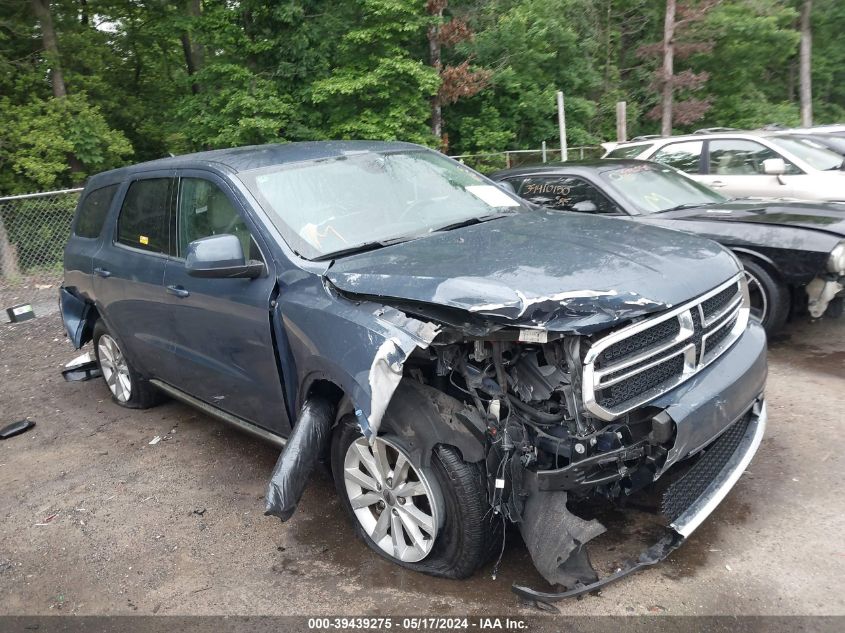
(774, 166)
(220, 256)
(507, 186)
(585, 206)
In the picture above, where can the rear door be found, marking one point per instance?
(224, 345)
(85, 236)
(129, 271)
(687, 156)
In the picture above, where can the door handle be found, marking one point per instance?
(102, 272)
(717, 184)
(179, 291)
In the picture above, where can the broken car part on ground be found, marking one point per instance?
(461, 359)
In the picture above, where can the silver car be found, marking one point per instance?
(748, 164)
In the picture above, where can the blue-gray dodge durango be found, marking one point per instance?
(461, 358)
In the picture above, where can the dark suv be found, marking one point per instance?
(462, 359)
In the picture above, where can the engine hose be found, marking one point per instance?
(540, 416)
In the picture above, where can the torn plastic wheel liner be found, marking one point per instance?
(308, 440)
(653, 555)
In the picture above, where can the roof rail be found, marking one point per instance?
(715, 130)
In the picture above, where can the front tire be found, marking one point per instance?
(450, 518)
(769, 297)
(125, 385)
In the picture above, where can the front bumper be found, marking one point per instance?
(706, 405)
(685, 524)
(821, 291)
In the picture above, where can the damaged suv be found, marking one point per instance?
(461, 359)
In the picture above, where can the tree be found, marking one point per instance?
(456, 81)
(380, 88)
(806, 63)
(680, 41)
(41, 9)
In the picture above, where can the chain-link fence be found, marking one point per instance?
(493, 161)
(33, 231)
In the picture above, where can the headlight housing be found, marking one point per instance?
(836, 260)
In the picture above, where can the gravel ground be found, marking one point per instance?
(177, 527)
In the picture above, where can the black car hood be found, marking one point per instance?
(557, 271)
(826, 217)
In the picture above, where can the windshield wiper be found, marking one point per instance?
(363, 248)
(471, 221)
(687, 205)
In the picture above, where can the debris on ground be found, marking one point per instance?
(16, 428)
(155, 440)
(81, 368)
(20, 312)
(48, 520)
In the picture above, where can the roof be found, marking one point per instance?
(583, 166)
(699, 136)
(238, 159)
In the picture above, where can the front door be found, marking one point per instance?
(224, 345)
(736, 170)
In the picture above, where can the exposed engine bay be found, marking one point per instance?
(542, 445)
(528, 398)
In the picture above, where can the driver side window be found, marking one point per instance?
(206, 210)
(565, 193)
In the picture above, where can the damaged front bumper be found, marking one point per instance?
(822, 291)
(685, 524)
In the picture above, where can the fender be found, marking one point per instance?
(423, 417)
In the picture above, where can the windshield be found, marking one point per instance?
(340, 203)
(814, 154)
(652, 188)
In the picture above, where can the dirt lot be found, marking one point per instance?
(177, 527)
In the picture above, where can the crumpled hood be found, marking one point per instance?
(557, 271)
(828, 217)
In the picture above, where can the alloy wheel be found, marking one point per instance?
(757, 295)
(115, 368)
(392, 500)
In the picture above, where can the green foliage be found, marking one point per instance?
(236, 107)
(37, 139)
(304, 69)
(379, 89)
(750, 94)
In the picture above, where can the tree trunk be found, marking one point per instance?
(668, 69)
(805, 65)
(8, 255)
(435, 58)
(193, 52)
(41, 9)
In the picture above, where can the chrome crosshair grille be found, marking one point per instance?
(636, 364)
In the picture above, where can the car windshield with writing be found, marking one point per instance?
(656, 188)
(367, 199)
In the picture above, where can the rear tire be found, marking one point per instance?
(770, 299)
(125, 385)
(465, 529)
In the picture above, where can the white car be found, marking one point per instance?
(748, 164)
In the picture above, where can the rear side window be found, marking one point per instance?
(565, 193)
(143, 221)
(93, 211)
(685, 156)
